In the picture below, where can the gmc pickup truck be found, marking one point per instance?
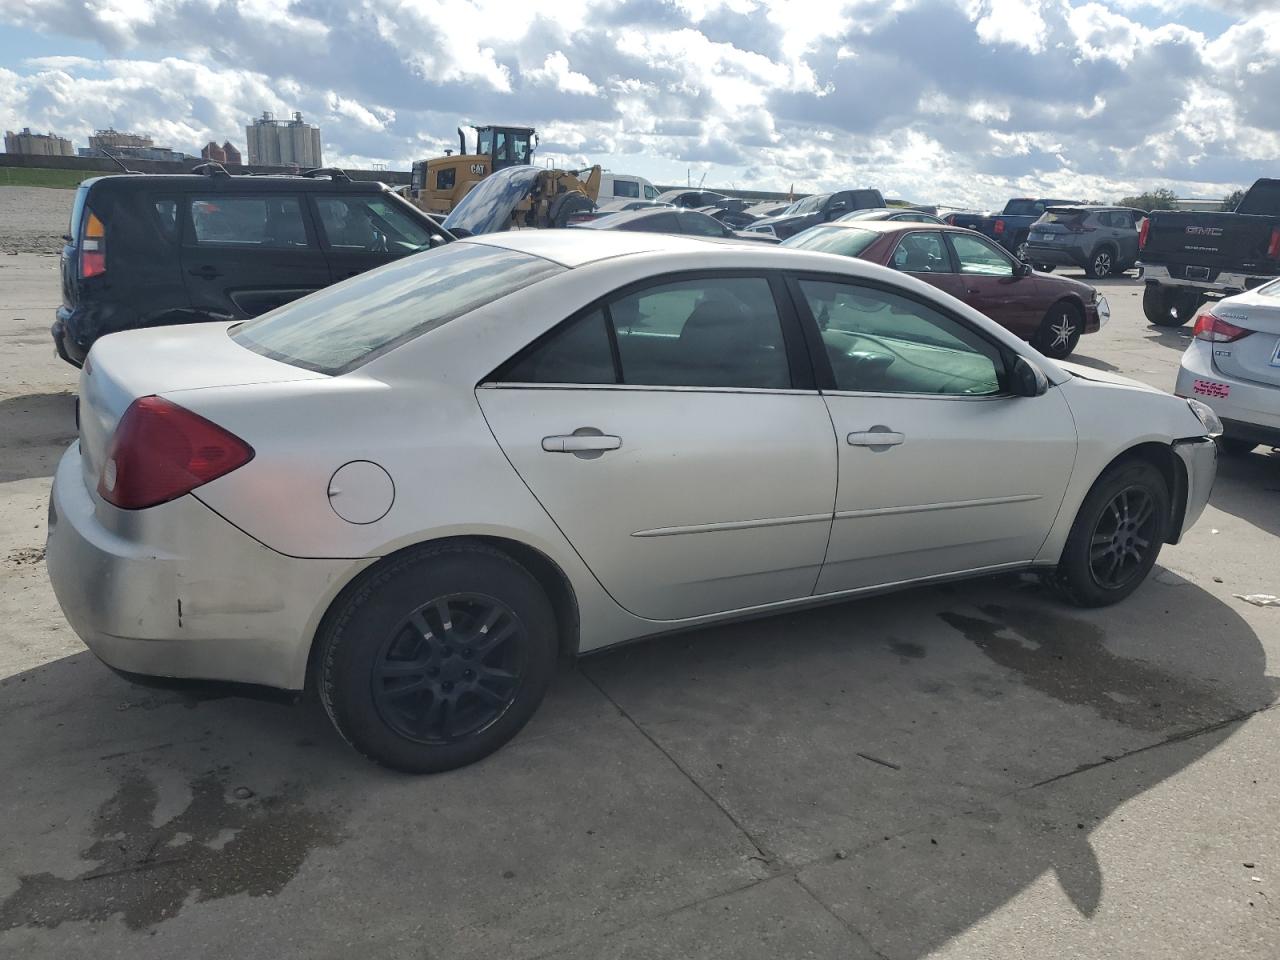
(1188, 258)
(1010, 227)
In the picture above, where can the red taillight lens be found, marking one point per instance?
(1215, 329)
(93, 247)
(162, 451)
(999, 227)
(1273, 248)
(1142, 234)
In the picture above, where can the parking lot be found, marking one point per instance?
(973, 770)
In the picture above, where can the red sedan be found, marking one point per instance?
(1050, 312)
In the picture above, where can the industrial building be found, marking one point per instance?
(113, 143)
(280, 143)
(225, 154)
(37, 144)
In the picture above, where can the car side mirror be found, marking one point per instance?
(1023, 269)
(1026, 379)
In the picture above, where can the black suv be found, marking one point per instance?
(149, 250)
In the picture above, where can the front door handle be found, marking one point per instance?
(581, 443)
(877, 436)
(205, 272)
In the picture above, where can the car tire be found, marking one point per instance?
(438, 658)
(1116, 536)
(567, 205)
(1236, 446)
(1060, 330)
(1157, 307)
(1102, 263)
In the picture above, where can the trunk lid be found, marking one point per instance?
(161, 361)
(1197, 246)
(1255, 357)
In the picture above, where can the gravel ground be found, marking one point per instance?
(33, 219)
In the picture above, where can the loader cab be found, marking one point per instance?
(506, 146)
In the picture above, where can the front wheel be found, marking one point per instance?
(438, 659)
(1117, 535)
(1060, 331)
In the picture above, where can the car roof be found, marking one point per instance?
(573, 247)
(199, 183)
(888, 226)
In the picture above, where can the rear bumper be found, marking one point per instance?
(1056, 256)
(1224, 283)
(177, 591)
(1250, 411)
(1200, 458)
(63, 343)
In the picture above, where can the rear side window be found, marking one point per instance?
(339, 328)
(167, 217)
(253, 222)
(626, 188)
(922, 252)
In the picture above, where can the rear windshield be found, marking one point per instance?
(1024, 208)
(1263, 199)
(846, 241)
(1061, 215)
(337, 329)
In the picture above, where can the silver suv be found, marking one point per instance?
(1102, 240)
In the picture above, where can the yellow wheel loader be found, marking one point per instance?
(441, 183)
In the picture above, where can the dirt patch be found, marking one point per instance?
(25, 557)
(33, 219)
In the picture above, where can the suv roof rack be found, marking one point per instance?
(211, 168)
(333, 173)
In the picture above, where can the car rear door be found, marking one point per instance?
(925, 255)
(673, 433)
(941, 470)
(991, 281)
(246, 253)
(360, 232)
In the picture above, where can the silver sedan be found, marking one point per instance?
(415, 489)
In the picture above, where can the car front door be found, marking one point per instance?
(993, 283)
(941, 469)
(358, 233)
(673, 435)
(245, 254)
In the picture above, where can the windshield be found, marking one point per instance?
(487, 208)
(340, 327)
(808, 204)
(846, 241)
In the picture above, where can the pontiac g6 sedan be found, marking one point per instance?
(417, 488)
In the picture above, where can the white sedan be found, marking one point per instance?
(1233, 365)
(415, 489)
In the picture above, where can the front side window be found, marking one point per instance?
(977, 256)
(626, 188)
(343, 326)
(500, 148)
(520, 147)
(370, 223)
(882, 342)
(650, 193)
(922, 253)
(709, 332)
(248, 221)
(700, 225)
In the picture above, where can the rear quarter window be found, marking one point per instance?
(341, 327)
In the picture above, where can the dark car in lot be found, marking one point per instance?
(1049, 312)
(1101, 239)
(671, 220)
(148, 250)
(1011, 226)
(819, 208)
(1188, 258)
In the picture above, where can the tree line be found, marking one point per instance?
(1165, 199)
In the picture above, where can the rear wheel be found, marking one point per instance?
(1117, 535)
(1157, 306)
(1102, 264)
(567, 205)
(1060, 330)
(439, 659)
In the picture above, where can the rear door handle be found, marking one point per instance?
(881, 437)
(206, 272)
(581, 443)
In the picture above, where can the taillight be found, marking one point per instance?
(1215, 329)
(161, 451)
(999, 227)
(93, 247)
(1142, 234)
(1273, 248)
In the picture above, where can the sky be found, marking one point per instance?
(955, 102)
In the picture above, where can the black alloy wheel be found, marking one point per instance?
(450, 669)
(1060, 330)
(1121, 538)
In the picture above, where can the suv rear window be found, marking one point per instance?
(340, 327)
(1064, 216)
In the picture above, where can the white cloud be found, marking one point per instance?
(555, 72)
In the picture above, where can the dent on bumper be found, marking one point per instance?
(177, 591)
(1200, 458)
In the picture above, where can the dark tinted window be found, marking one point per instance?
(446, 178)
(880, 342)
(167, 217)
(576, 353)
(626, 188)
(1262, 199)
(665, 222)
(342, 326)
(253, 222)
(699, 224)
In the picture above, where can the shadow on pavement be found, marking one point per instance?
(1094, 362)
(1248, 487)
(902, 759)
(36, 429)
